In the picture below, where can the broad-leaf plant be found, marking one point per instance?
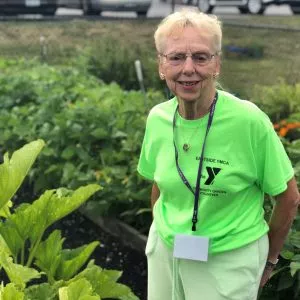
(35, 266)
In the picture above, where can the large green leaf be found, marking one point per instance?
(104, 283)
(287, 254)
(54, 205)
(43, 291)
(10, 292)
(17, 274)
(3, 246)
(295, 267)
(295, 239)
(80, 289)
(31, 221)
(108, 288)
(73, 259)
(296, 258)
(17, 229)
(114, 275)
(5, 210)
(48, 254)
(14, 169)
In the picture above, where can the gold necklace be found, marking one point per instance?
(186, 145)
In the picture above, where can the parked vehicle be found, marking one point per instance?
(95, 7)
(244, 6)
(14, 7)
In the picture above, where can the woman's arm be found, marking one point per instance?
(281, 221)
(282, 218)
(154, 195)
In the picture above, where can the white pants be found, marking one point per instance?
(232, 275)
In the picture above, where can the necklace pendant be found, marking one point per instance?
(186, 147)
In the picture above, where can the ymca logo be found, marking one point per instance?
(212, 173)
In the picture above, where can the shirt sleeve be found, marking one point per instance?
(146, 164)
(273, 164)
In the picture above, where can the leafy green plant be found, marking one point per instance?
(279, 101)
(94, 132)
(121, 58)
(285, 280)
(282, 104)
(27, 255)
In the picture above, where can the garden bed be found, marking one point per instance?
(111, 254)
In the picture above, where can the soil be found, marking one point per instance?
(111, 254)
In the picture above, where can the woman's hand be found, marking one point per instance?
(266, 276)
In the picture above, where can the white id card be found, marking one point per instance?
(191, 247)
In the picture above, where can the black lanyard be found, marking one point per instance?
(196, 193)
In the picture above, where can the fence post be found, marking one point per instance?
(139, 73)
(43, 46)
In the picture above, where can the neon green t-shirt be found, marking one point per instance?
(243, 159)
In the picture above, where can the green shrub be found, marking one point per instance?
(93, 131)
(113, 61)
(278, 101)
(281, 102)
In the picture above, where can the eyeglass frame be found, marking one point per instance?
(191, 56)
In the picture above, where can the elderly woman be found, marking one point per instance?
(212, 157)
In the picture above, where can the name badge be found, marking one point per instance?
(191, 247)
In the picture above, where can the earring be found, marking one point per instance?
(215, 75)
(162, 76)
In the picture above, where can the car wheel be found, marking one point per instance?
(8, 13)
(204, 6)
(87, 8)
(243, 9)
(295, 9)
(141, 14)
(255, 7)
(49, 11)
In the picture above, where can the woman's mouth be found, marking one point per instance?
(188, 83)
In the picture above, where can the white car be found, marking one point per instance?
(244, 6)
(95, 7)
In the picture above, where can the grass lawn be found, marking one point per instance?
(67, 39)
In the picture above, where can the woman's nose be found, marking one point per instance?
(188, 66)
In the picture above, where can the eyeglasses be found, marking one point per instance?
(178, 59)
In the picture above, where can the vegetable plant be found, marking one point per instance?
(93, 130)
(34, 265)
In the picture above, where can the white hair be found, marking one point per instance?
(185, 18)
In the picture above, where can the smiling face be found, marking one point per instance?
(190, 80)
